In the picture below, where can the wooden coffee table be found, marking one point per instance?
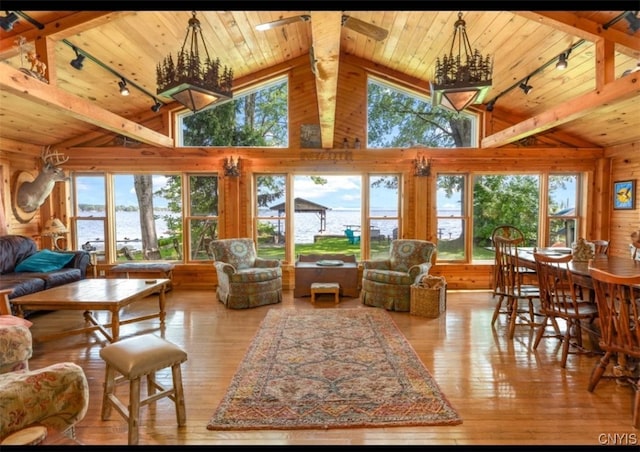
(95, 295)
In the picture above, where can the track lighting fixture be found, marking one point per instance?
(6, 23)
(78, 60)
(562, 61)
(524, 86)
(156, 107)
(123, 87)
(124, 82)
(634, 21)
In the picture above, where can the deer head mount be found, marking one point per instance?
(31, 195)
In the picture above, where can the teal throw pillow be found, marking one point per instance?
(44, 261)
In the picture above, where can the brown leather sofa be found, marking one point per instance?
(16, 248)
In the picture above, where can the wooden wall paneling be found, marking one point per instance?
(29, 163)
(625, 165)
(351, 106)
(599, 204)
(302, 110)
(229, 213)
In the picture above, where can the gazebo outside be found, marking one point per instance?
(303, 205)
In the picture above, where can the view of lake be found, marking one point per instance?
(307, 225)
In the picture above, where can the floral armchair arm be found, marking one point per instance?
(420, 269)
(380, 264)
(266, 263)
(56, 396)
(224, 268)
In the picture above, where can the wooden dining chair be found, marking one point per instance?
(510, 232)
(511, 288)
(562, 306)
(618, 300)
(601, 247)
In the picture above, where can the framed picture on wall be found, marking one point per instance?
(624, 195)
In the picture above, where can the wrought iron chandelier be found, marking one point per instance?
(463, 79)
(194, 83)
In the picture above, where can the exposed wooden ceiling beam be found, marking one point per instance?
(621, 89)
(63, 28)
(569, 22)
(325, 32)
(34, 90)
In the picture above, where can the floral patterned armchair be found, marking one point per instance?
(244, 279)
(56, 396)
(387, 283)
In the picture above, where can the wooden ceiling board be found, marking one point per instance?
(133, 42)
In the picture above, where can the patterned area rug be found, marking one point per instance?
(331, 368)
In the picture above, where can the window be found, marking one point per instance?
(398, 117)
(271, 215)
(143, 217)
(562, 218)
(325, 210)
(256, 117)
(383, 219)
(202, 215)
(141, 213)
(451, 216)
(497, 199)
(504, 199)
(90, 217)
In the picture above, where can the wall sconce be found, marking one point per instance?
(55, 229)
(422, 167)
(231, 167)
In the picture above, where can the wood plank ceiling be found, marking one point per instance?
(591, 100)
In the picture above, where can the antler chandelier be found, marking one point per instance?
(194, 83)
(463, 79)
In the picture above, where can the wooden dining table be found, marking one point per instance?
(617, 265)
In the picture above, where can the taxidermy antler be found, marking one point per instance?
(31, 195)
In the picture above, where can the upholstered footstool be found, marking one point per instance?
(318, 288)
(133, 359)
(144, 270)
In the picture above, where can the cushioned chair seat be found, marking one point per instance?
(390, 277)
(253, 275)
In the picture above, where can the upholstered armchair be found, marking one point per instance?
(244, 279)
(56, 396)
(386, 283)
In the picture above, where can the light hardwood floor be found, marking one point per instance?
(505, 392)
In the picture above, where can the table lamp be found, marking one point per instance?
(55, 229)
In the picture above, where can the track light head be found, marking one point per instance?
(156, 107)
(524, 86)
(634, 22)
(562, 61)
(6, 23)
(123, 87)
(77, 61)
(490, 105)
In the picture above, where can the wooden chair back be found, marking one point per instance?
(508, 277)
(601, 247)
(618, 299)
(558, 294)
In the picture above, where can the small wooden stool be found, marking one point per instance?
(138, 357)
(317, 288)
